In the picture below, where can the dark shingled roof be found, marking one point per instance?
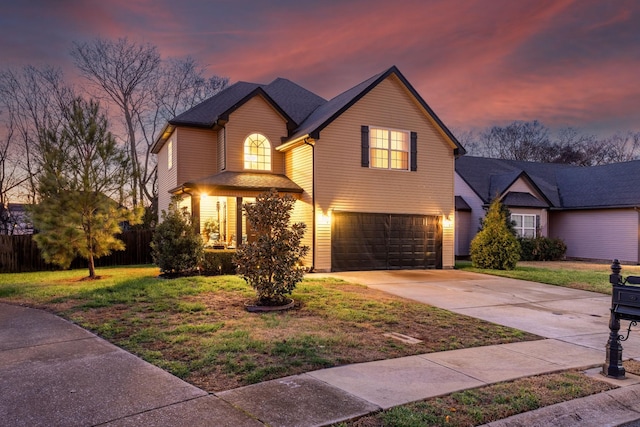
(294, 101)
(614, 185)
(328, 111)
(478, 173)
(307, 112)
(207, 112)
(518, 199)
(564, 186)
(461, 204)
(254, 181)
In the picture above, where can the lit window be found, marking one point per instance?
(170, 154)
(257, 152)
(525, 225)
(389, 149)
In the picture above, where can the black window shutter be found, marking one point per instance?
(414, 151)
(365, 146)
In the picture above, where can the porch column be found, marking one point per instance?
(238, 221)
(195, 212)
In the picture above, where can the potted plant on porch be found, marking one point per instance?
(271, 263)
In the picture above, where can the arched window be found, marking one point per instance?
(257, 152)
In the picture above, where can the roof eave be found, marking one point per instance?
(458, 149)
(166, 132)
(293, 143)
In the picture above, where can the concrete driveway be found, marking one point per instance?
(569, 315)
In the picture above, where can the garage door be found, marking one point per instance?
(365, 241)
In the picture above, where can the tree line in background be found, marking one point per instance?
(83, 181)
(533, 141)
(131, 82)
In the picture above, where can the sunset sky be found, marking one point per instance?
(476, 63)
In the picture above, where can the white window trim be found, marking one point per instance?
(520, 230)
(389, 150)
(170, 154)
(244, 145)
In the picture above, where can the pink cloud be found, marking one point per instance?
(475, 63)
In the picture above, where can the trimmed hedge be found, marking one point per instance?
(542, 249)
(218, 262)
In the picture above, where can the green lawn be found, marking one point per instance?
(590, 277)
(197, 327)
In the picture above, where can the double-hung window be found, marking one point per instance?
(389, 148)
(525, 225)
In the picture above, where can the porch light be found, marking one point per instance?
(447, 222)
(324, 219)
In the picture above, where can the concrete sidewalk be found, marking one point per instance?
(54, 373)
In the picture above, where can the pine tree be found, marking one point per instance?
(495, 246)
(80, 189)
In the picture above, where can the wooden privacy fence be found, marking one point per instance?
(20, 253)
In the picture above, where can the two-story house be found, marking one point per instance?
(372, 169)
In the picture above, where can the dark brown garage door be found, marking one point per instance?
(366, 241)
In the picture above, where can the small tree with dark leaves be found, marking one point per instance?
(271, 263)
(176, 247)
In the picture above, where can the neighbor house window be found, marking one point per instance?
(170, 154)
(525, 225)
(389, 149)
(257, 152)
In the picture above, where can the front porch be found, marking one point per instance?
(216, 204)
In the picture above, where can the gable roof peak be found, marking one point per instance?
(328, 112)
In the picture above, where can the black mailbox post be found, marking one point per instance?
(625, 305)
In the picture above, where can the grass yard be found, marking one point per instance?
(576, 275)
(486, 404)
(197, 327)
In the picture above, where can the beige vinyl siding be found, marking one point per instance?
(196, 153)
(167, 178)
(254, 116)
(221, 150)
(602, 234)
(343, 185)
(299, 168)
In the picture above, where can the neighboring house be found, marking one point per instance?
(595, 210)
(372, 169)
(14, 220)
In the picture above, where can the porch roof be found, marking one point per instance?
(241, 181)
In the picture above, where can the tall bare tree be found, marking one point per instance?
(125, 73)
(532, 141)
(181, 84)
(147, 91)
(517, 141)
(31, 99)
